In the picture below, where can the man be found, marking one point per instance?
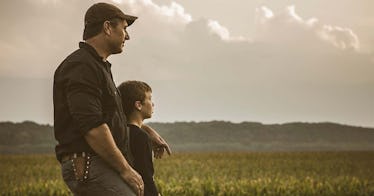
(89, 122)
(138, 105)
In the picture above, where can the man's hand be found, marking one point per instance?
(159, 146)
(101, 141)
(134, 180)
(158, 143)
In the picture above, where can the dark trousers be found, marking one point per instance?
(101, 180)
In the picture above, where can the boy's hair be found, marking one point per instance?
(132, 91)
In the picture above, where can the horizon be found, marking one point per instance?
(209, 121)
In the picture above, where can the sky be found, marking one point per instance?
(260, 61)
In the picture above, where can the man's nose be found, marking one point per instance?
(127, 36)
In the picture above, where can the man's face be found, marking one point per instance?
(147, 106)
(118, 37)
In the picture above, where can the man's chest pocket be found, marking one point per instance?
(110, 98)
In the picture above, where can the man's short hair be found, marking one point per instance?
(132, 91)
(94, 29)
(98, 13)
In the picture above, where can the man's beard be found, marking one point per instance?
(116, 49)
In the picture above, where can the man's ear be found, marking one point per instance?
(138, 105)
(107, 28)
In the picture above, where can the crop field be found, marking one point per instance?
(247, 173)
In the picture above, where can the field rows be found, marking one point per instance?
(308, 173)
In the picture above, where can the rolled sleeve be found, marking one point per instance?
(83, 95)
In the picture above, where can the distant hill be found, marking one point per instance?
(26, 137)
(252, 136)
(30, 137)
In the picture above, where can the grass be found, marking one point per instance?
(246, 173)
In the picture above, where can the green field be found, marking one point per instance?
(275, 173)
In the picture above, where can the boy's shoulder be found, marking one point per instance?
(137, 132)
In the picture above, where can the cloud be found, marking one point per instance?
(224, 33)
(286, 47)
(343, 38)
(169, 41)
(170, 20)
(288, 26)
(174, 13)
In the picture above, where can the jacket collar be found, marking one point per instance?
(93, 52)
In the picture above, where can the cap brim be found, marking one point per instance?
(130, 19)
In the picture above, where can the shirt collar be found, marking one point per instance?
(93, 52)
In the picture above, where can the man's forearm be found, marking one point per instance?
(149, 130)
(159, 143)
(101, 141)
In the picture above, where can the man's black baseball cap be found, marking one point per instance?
(100, 12)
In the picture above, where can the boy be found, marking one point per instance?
(137, 105)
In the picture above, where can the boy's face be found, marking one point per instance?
(147, 106)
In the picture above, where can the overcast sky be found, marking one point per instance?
(260, 60)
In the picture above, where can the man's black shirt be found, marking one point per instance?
(85, 97)
(141, 150)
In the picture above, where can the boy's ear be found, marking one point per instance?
(138, 105)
